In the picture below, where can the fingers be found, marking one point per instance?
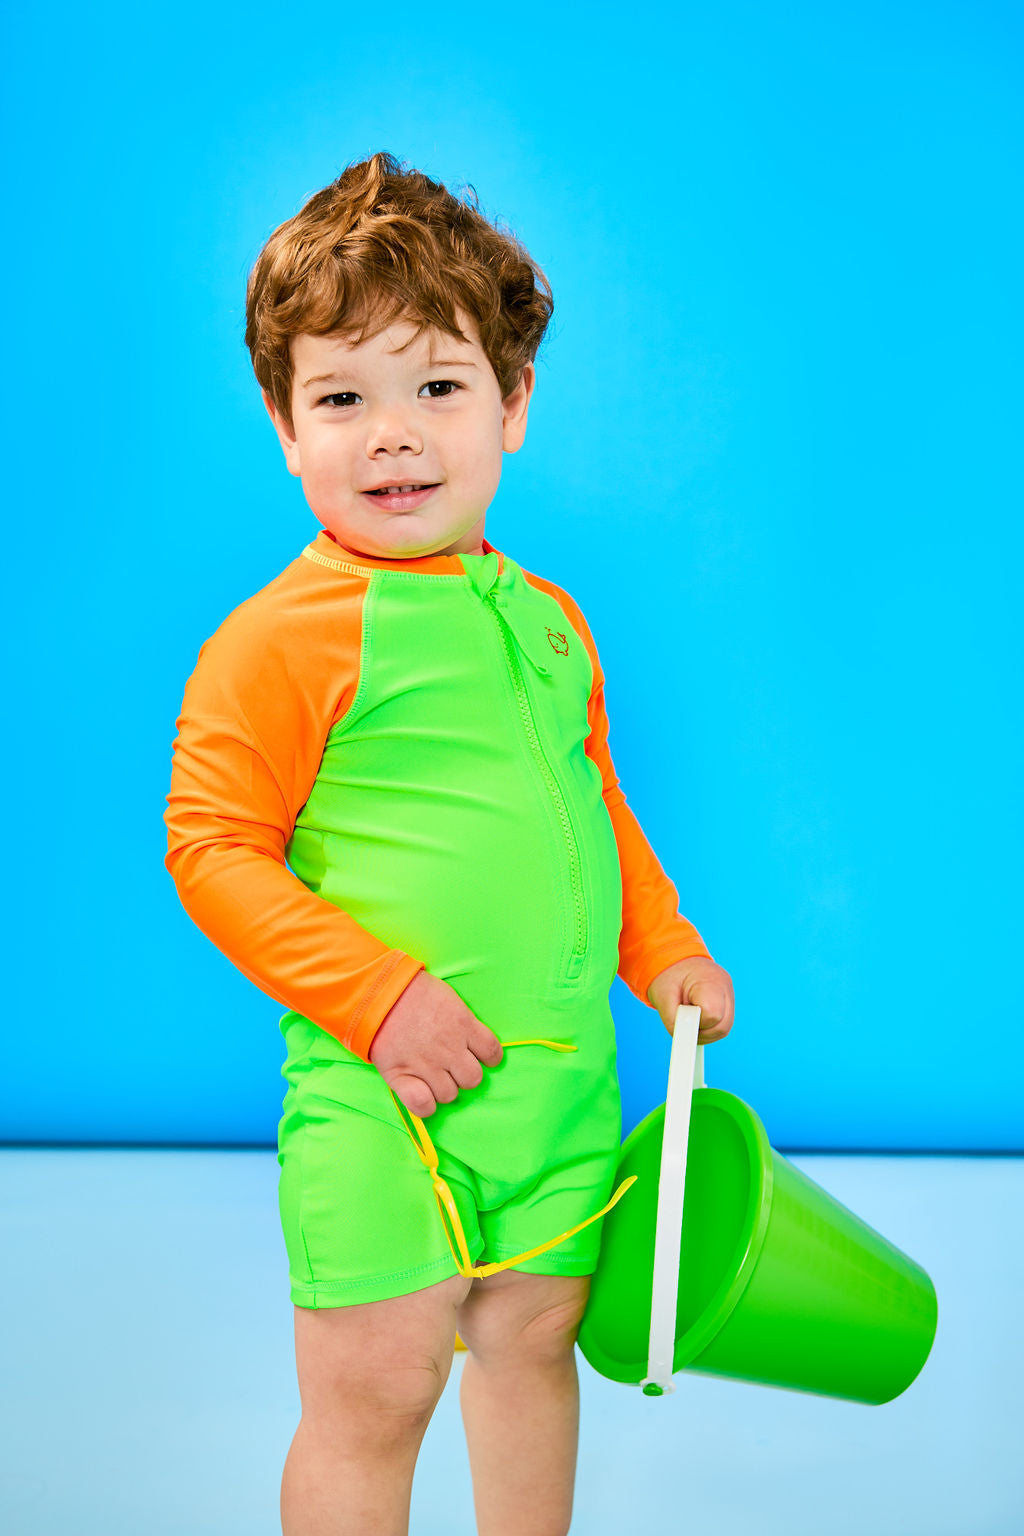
(716, 1029)
(422, 1097)
(467, 1071)
(717, 1009)
(444, 1086)
(415, 1095)
(431, 1046)
(485, 1045)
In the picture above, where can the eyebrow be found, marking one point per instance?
(433, 362)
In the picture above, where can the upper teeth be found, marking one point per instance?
(394, 490)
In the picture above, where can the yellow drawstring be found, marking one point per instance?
(446, 1203)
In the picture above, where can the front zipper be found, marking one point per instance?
(579, 949)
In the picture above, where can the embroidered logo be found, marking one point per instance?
(559, 642)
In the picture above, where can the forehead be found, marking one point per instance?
(397, 346)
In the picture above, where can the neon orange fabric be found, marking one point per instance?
(268, 685)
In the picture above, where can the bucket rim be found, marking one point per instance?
(753, 1224)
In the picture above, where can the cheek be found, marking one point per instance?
(326, 467)
(484, 457)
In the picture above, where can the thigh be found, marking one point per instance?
(389, 1357)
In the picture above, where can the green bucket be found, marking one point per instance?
(778, 1283)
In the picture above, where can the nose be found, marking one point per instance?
(389, 431)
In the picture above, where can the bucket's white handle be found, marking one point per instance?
(685, 1072)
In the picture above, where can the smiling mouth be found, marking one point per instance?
(398, 490)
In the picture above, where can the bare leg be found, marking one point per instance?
(370, 1377)
(334, 1486)
(522, 1431)
(520, 1400)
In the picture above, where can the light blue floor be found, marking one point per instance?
(148, 1376)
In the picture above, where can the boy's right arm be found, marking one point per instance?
(250, 741)
(242, 769)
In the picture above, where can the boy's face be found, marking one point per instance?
(368, 415)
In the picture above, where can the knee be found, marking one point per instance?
(537, 1324)
(552, 1333)
(547, 1340)
(405, 1393)
(385, 1402)
(377, 1367)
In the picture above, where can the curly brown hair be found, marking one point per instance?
(382, 243)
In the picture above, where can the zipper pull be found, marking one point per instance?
(530, 646)
(531, 649)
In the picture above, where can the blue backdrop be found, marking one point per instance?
(774, 453)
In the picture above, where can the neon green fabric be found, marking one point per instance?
(529, 1154)
(476, 838)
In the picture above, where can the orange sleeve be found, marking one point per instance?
(654, 933)
(251, 733)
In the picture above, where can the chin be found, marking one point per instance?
(416, 540)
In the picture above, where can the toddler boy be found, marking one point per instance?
(393, 808)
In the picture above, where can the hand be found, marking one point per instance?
(430, 1045)
(697, 981)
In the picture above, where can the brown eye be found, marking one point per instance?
(447, 383)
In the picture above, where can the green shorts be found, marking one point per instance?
(530, 1153)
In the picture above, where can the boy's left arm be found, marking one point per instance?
(662, 958)
(652, 926)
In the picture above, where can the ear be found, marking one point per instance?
(514, 408)
(285, 435)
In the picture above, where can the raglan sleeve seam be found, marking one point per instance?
(290, 941)
(654, 932)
